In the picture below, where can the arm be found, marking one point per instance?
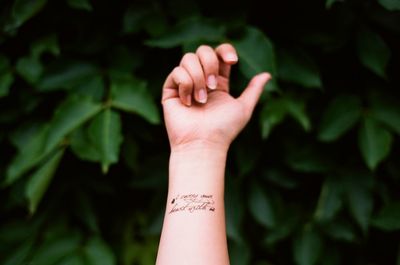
(201, 123)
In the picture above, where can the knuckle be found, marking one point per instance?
(188, 57)
(204, 48)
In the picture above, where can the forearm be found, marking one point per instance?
(194, 224)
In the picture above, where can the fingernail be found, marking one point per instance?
(189, 100)
(231, 57)
(212, 82)
(202, 96)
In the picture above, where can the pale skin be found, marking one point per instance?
(202, 120)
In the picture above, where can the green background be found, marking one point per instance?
(313, 179)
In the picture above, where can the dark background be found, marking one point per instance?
(313, 179)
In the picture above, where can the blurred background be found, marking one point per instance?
(313, 179)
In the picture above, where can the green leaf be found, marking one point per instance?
(261, 207)
(298, 67)
(75, 259)
(23, 10)
(360, 204)
(340, 231)
(27, 157)
(387, 111)
(98, 252)
(80, 4)
(339, 117)
(66, 75)
(329, 3)
(374, 142)
(296, 109)
(256, 55)
(330, 200)
(391, 5)
(194, 29)
(131, 95)
(19, 256)
(234, 211)
(6, 80)
(373, 52)
(239, 254)
(68, 116)
(4, 63)
(30, 68)
(93, 87)
(83, 147)
(272, 114)
(307, 247)
(46, 44)
(55, 250)
(388, 218)
(105, 134)
(40, 180)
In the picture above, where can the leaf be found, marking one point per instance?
(19, 256)
(40, 180)
(388, 218)
(342, 231)
(307, 247)
(80, 4)
(261, 207)
(105, 134)
(46, 44)
(329, 3)
(339, 117)
(131, 95)
(374, 142)
(296, 109)
(83, 147)
(6, 80)
(98, 252)
(239, 254)
(194, 29)
(23, 10)
(272, 114)
(387, 111)
(66, 75)
(373, 52)
(75, 259)
(93, 87)
(27, 157)
(330, 200)
(29, 68)
(391, 5)
(234, 211)
(360, 204)
(256, 55)
(298, 67)
(55, 250)
(69, 115)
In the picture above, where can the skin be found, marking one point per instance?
(202, 120)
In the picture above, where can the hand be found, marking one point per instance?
(196, 101)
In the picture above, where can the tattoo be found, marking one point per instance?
(192, 203)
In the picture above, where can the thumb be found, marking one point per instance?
(252, 93)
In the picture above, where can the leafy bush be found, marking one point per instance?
(313, 179)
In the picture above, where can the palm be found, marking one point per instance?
(219, 121)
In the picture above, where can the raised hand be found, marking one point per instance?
(196, 101)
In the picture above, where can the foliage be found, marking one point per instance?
(313, 179)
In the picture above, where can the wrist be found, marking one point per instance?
(197, 167)
(200, 146)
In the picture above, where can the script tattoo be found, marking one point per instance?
(192, 203)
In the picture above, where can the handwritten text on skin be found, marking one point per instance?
(192, 202)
